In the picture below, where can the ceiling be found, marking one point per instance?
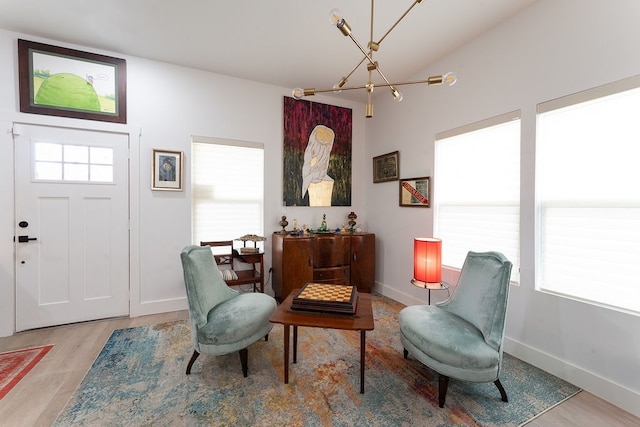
(286, 43)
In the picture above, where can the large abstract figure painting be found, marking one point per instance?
(317, 154)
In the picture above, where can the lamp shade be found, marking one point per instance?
(427, 259)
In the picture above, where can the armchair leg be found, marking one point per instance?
(266, 337)
(502, 392)
(406, 353)
(244, 353)
(194, 356)
(443, 384)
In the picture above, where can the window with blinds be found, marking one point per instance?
(588, 195)
(227, 189)
(477, 190)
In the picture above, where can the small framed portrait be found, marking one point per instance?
(166, 171)
(415, 192)
(386, 167)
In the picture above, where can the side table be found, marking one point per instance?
(437, 286)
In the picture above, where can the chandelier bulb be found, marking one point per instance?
(450, 78)
(335, 17)
(337, 88)
(297, 93)
(397, 95)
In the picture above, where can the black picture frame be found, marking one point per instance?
(386, 167)
(64, 82)
(415, 192)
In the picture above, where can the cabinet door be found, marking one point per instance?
(297, 267)
(335, 275)
(363, 261)
(331, 251)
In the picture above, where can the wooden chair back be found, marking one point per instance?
(223, 257)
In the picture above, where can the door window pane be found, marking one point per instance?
(72, 163)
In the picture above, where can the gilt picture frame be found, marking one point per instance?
(58, 81)
(415, 192)
(167, 170)
(386, 167)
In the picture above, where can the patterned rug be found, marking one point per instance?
(139, 379)
(14, 365)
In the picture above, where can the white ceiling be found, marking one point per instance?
(287, 43)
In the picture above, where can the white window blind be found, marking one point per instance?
(477, 190)
(227, 189)
(588, 195)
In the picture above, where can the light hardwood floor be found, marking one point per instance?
(42, 394)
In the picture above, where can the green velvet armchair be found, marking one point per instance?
(462, 337)
(223, 320)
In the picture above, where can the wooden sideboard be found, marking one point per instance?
(346, 259)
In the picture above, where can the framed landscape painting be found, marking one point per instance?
(71, 83)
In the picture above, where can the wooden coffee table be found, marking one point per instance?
(362, 321)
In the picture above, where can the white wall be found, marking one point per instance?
(169, 104)
(553, 49)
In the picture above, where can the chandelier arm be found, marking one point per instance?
(345, 78)
(397, 22)
(433, 80)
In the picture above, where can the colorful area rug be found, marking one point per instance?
(14, 365)
(139, 379)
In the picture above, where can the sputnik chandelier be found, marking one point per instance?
(340, 23)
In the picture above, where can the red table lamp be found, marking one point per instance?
(427, 262)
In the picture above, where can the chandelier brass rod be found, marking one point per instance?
(431, 80)
(397, 22)
(355, 68)
(371, 27)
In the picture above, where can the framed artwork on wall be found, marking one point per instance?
(316, 154)
(386, 167)
(415, 192)
(166, 171)
(57, 81)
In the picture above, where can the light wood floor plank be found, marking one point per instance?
(39, 397)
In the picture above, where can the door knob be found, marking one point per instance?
(25, 239)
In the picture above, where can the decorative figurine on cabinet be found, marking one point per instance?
(352, 220)
(323, 226)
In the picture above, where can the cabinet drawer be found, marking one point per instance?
(335, 275)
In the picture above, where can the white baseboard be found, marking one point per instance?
(161, 306)
(605, 389)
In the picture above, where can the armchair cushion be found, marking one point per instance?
(450, 339)
(233, 321)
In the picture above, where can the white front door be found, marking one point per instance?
(72, 225)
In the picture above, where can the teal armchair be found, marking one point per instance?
(223, 320)
(462, 337)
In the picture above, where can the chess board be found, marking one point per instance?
(326, 297)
